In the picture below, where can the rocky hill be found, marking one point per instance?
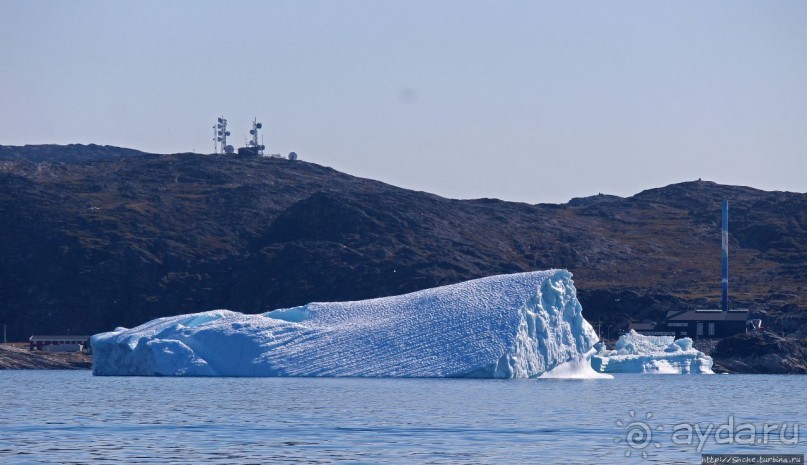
(97, 237)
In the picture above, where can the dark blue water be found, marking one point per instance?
(73, 417)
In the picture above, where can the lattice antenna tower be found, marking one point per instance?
(220, 134)
(253, 144)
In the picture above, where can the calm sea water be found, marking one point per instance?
(73, 417)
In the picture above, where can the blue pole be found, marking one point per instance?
(724, 301)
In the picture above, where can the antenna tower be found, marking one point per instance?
(253, 144)
(220, 134)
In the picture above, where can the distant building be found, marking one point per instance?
(59, 343)
(697, 324)
(707, 323)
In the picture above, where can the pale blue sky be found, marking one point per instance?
(530, 101)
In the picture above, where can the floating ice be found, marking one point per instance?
(508, 326)
(635, 353)
(576, 368)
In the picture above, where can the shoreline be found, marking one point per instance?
(15, 358)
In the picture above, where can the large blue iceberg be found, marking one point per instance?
(510, 326)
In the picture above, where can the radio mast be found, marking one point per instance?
(220, 134)
(256, 148)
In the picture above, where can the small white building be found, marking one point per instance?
(69, 343)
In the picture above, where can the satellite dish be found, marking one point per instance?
(229, 149)
(252, 131)
(259, 125)
(292, 155)
(228, 133)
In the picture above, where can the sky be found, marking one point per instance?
(527, 101)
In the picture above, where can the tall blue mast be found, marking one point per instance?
(724, 301)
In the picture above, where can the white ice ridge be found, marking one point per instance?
(507, 326)
(636, 353)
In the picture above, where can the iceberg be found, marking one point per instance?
(509, 326)
(577, 368)
(635, 353)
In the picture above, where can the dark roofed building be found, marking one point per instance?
(707, 323)
(64, 343)
(696, 324)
